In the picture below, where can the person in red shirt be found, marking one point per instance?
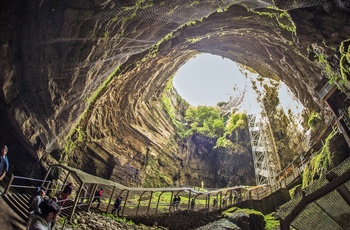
(98, 196)
(66, 192)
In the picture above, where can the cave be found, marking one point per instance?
(82, 81)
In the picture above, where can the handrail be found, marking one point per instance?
(245, 193)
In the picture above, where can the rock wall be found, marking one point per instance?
(54, 56)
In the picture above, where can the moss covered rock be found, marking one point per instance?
(246, 219)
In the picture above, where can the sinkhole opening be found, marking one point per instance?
(209, 80)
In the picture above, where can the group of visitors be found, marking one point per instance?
(43, 211)
(232, 198)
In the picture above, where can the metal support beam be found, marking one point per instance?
(189, 201)
(138, 205)
(9, 184)
(110, 198)
(171, 201)
(46, 176)
(92, 196)
(126, 198)
(76, 200)
(158, 201)
(149, 203)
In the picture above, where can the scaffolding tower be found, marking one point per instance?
(265, 156)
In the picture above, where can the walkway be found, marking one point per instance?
(136, 201)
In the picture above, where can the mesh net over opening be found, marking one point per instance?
(330, 211)
(73, 47)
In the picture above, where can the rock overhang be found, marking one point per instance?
(60, 57)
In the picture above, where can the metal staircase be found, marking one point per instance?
(19, 202)
(265, 156)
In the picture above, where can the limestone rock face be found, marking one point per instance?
(217, 167)
(55, 56)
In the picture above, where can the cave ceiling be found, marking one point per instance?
(57, 56)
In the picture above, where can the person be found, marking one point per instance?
(34, 206)
(98, 195)
(193, 203)
(215, 203)
(4, 163)
(83, 194)
(50, 212)
(66, 192)
(235, 196)
(35, 194)
(177, 202)
(173, 204)
(117, 204)
(224, 201)
(55, 199)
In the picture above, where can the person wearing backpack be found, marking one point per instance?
(117, 204)
(34, 206)
(98, 195)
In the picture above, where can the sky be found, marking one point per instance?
(208, 79)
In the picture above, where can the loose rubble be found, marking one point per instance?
(94, 221)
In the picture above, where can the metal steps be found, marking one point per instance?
(19, 203)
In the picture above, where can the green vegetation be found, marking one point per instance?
(292, 191)
(314, 119)
(193, 40)
(334, 76)
(244, 211)
(171, 110)
(119, 219)
(71, 143)
(77, 135)
(236, 121)
(331, 75)
(319, 164)
(282, 17)
(224, 142)
(345, 59)
(271, 222)
(205, 120)
(155, 176)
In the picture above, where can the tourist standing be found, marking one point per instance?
(193, 203)
(177, 202)
(215, 203)
(117, 205)
(34, 206)
(4, 163)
